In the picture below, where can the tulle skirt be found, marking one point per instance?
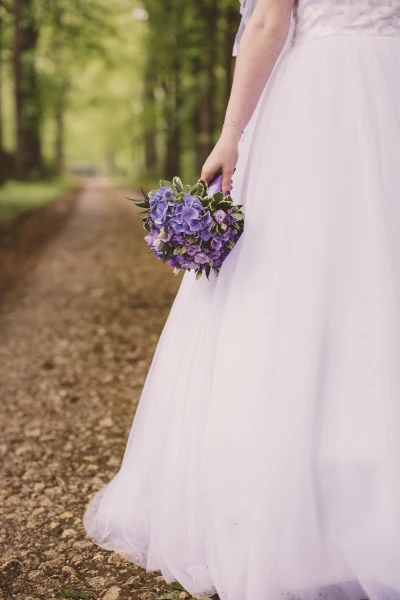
(264, 458)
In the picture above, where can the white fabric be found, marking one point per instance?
(264, 460)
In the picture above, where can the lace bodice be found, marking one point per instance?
(319, 18)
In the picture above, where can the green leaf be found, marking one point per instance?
(178, 184)
(198, 273)
(218, 197)
(204, 184)
(146, 227)
(223, 226)
(165, 183)
(141, 204)
(196, 190)
(216, 271)
(208, 270)
(144, 194)
(177, 250)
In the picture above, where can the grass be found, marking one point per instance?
(19, 197)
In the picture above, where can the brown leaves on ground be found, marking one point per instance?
(77, 337)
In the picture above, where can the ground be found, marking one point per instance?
(79, 321)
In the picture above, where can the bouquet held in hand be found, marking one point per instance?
(191, 227)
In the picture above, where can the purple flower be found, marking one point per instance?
(219, 216)
(187, 224)
(180, 260)
(217, 243)
(190, 264)
(150, 238)
(193, 249)
(201, 258)
(171, 260)
(207, 223)
(160, 202)
(225, 236)
(178, 240)
(188, 217)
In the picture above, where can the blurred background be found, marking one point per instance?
(97, 97)
(134, 91)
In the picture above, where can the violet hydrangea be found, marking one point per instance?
(191, 227)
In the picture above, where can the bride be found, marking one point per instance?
(264, 459)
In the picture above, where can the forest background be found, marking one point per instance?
(130, 90)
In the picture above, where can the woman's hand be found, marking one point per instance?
(223, 158)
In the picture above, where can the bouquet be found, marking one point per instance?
(191, 227)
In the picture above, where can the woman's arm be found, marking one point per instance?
(261, 44)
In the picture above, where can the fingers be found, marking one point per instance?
(207, 174)
(227, 181)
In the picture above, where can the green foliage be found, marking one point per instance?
(135, 98)
(17, 197)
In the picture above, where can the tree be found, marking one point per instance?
(190, 44)
(158, 87)
(3, 174)
(73, 35)
(28, 110)
(150, 117)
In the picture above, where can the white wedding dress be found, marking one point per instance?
(264, 459)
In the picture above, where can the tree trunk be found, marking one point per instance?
(150, 126)
(3, 174)
(173, 105)
(28, 162)
(205, 118)
(59, 142)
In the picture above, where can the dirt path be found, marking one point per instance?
(76, 339)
